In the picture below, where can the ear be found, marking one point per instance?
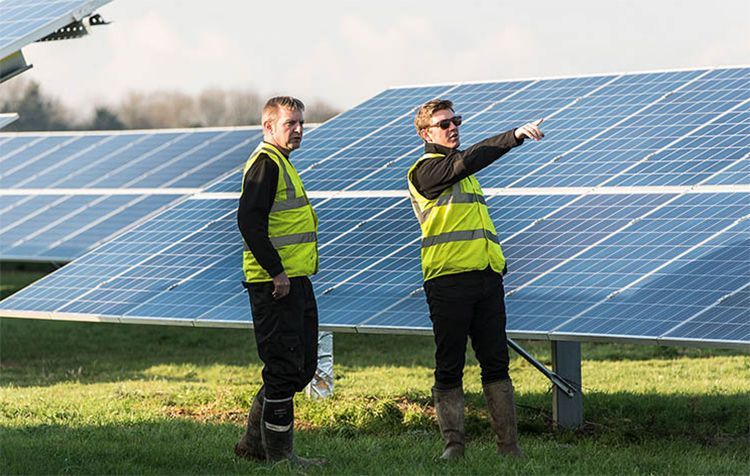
(268, 126)
(424, 135)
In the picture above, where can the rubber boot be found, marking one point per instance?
(449, 406)
(499, 396)
(250, 445)
(277, 430)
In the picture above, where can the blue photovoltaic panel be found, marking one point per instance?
(560, 296)
(722, 321)
(25, 21)
(377, 272)
(653, 263)
(576, 109)
(143, 276)
(684, 113)
(692, 278)
(571, 229)
(143, 159)
(57, 228)
(62, 227)
(737, 173)
(697, 156)
(92, 284)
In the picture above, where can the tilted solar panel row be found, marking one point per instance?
(570, 274)
(26, 21)
(61, 194)
(652, 246)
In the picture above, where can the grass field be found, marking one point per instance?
(81, 398)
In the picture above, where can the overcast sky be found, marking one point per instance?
(346, 51)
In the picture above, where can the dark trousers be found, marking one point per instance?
(470, 304)
(286, 331)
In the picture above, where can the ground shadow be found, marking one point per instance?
(177, 445)
(37, 352)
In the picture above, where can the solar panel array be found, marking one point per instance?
(61, 194)
(26, 21)
(629, 221)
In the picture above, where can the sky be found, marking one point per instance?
(344, 52)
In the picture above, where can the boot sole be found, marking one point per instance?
(248, 455)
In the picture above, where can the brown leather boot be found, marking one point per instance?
(449, 406)
(499, 396)
(250, 445)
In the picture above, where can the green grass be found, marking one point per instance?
(85, 398)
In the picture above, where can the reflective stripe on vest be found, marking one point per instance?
(295, 239)
(465, 235)
(289, 204)
(456, 196)
(457, 232)
(292, 223)
(287, 240)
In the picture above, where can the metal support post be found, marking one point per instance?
(567, 410)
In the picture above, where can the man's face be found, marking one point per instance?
(286, 131)
(446, 137)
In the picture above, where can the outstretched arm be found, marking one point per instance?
(433, 176)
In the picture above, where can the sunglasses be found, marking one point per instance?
(446, 123)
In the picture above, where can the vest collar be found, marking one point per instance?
(276, 149)
(432, 148)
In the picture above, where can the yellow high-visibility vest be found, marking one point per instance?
(457, 232)
(292, 222)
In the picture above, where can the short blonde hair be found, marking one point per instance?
(424, 114)
(272, 107)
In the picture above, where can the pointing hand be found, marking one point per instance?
(530, 131)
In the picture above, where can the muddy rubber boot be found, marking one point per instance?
(250, 445)
(499, 396)
(449, 406)
(277, 430)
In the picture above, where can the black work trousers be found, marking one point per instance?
(286, 332)
(470, 304)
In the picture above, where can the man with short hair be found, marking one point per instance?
(279, 230)
(463, 267)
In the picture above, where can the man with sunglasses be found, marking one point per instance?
(463, 267)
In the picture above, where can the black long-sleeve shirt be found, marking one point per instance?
(259, 191)
(431, 177)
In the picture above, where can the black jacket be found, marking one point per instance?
(259, 191)
(431, 177)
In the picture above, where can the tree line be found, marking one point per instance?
(40, 111)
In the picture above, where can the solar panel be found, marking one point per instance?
(63, 193)
(26, 21)
(565, 297)
(628, 222)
